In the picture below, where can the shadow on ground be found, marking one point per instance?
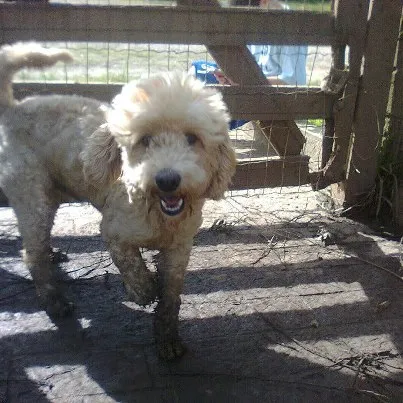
(320, 328)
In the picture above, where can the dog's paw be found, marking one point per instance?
(55, 303)
(57, 256)
(172, 349)
(60, 308)
(144, 290)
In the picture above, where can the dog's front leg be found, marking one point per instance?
(171, 266)
(140, 283)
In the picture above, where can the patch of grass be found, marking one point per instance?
(320, 6)
(316, 122)
(117, 63)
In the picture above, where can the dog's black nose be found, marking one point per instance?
(167, 180)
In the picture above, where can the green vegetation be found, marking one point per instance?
(316, 122)
(321, 6)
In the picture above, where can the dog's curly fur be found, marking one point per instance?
(147, 162)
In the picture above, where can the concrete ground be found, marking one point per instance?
(283, 302)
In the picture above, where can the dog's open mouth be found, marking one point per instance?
(172, 205)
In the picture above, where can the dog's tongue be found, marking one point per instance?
(172, 201)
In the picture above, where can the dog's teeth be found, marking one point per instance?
(177, 206)
(171, 207)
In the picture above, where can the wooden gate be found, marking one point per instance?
(353, 104)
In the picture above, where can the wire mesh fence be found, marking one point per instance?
(119, 63)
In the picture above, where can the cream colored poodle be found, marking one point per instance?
(147, 162)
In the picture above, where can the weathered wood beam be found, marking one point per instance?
(267, 103)
(188, 25)
(272, 172)
(260, 173)
(248, 102)
(371, 106)
(351, 20)
(395, 124)
(338, 64)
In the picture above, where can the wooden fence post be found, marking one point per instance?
(370, 110)
(395, 112)
(351, 25)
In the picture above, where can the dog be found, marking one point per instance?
(147, 162)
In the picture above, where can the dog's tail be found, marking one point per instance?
(20, 55)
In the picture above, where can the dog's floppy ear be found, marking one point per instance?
(224, 170)
(102, 162)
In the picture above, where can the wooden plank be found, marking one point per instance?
(260, 173)
(371, 106)
(248, 102)
(267, 103)
(338, 64)
(188, 25)
(351, 20)
(271, 172)
(239, 65)
(395, 124)
(101, 92)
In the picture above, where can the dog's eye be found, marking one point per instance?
(191, 138)
(146, 140)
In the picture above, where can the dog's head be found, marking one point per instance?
(173, 133)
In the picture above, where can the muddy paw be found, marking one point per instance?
(171, 349)
(57, 256)
(142, 291)
(55, 303)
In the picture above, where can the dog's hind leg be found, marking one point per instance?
(35, 208)
(172, 265)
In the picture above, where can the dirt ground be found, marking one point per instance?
(283, 302)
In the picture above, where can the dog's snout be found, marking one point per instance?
(167, 180)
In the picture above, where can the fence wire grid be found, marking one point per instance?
(119, 63)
